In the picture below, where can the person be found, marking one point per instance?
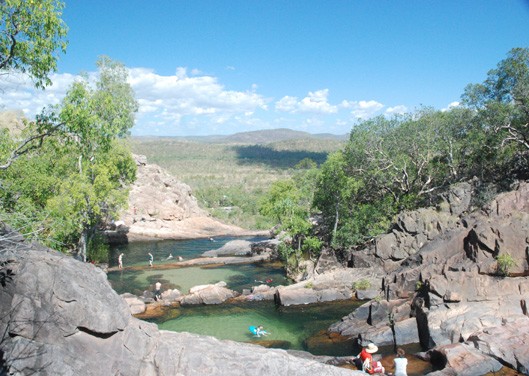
(368, 364)
(158, 291)
(180, 258)
(400, 363)
(260, 331)
(151, 259)
(170, 256)
(120, 261)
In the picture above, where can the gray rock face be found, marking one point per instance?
(59, 316)
(231, 248)
(449, 287)
(208, 294)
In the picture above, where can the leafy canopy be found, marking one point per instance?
(31, 35)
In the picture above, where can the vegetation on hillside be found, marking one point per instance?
(229, 179)
(406, 162)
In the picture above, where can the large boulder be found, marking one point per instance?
(208, 294)
(231, 248)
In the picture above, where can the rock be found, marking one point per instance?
(266, 246)
(208, 294)
(451, 288)
(135, 304)
(463, 360)
(231, 248)
(162, 207)
(367, 294)
(62, 317)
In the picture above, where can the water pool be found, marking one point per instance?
(297, 328)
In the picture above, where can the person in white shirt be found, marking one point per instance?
(400, 363)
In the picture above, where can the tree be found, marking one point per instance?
(67, 186)
(31, 34)
(501, 105)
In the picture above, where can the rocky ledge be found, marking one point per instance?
(59, 316)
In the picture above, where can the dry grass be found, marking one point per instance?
(233, 176)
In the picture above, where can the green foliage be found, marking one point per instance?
(505, 262)
(97, 250)
(60, 191)
(362, 284)
(32, 33)
(221, 176)
(500, 126)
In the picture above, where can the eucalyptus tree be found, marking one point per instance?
(81, 172)
(501, 105)
(32, 34)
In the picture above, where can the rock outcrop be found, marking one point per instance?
(59, 316)
(162, 207)
(444, 284)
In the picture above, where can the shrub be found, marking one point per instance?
(362, 284)
(505, 263)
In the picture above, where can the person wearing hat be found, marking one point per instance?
(368, 364)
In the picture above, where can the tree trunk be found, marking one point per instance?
(83, 243)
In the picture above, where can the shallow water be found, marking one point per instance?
(237, 277)
(136, 253)
(289, 327)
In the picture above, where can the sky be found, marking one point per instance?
(203, 67)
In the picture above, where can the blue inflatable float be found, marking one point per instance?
(253, 330)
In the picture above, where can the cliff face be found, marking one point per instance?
(162, 207)
(59, 316)
(443, 287)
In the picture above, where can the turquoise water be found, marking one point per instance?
(136, 254)
(289, 327)
(237, 277)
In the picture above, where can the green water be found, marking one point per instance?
(289, 327)
(136, 254)
(237, 277)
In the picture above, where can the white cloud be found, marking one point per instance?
(400, 109)
(450, 106)
(190, 102)
(362, 109)
(314, 102)
(188, 96)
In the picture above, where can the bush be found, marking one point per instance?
(362, 284)
(505, 263)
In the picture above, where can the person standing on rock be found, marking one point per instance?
(120, 261)
(151, 259)
(158, 291)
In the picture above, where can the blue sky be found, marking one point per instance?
(218, 67)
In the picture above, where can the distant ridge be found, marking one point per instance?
(264, 136)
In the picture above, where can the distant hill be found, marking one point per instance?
(264, 136)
